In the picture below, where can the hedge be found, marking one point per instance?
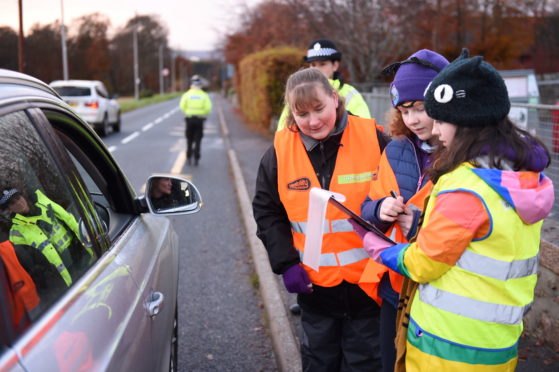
(261, 82)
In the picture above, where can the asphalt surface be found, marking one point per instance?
(222, 324)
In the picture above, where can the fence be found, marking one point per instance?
(540, 120)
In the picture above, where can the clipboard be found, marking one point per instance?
(363, 223)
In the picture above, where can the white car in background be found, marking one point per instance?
(90, 100)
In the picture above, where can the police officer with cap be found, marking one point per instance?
(323, 55)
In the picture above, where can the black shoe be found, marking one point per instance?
(295, 309)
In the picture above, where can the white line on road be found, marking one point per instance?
(130, 138)
(147, 127)
(112, 148)
(179, 163)
(158, 120)
(224, 129)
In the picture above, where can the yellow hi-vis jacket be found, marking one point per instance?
(343, 256)
(195, 102)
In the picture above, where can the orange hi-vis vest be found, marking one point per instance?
(343, 256)
(380, 188)
(24, 296)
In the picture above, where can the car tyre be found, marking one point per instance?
(116, 124)
(103, 126)
(173, 357)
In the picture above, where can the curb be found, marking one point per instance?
(286, 348)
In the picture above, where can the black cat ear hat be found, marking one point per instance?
(469, 92)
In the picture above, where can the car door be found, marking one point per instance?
(99, 320)
(147, 246)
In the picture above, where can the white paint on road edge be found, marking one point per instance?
(286, 349)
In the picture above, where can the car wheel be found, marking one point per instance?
(103, 126)
(116, 124)
(174, 343)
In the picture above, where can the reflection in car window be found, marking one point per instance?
(40, 243)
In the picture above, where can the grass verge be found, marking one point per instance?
(129, 104)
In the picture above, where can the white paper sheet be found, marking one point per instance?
(318, 201)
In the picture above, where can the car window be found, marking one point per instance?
(44, 242)
(101, 92)
(72, 91)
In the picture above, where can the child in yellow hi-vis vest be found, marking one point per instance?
(476, 255)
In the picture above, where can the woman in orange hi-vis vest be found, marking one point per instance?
(322, 146)
(396, 196)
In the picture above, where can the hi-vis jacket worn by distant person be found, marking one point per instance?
(343, 256)
(353, 101)
(476, 259)
(195, 102)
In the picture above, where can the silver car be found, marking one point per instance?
(88, 270)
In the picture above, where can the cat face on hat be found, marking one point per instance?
(468, 92)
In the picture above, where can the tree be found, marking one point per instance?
(44, 52)
(151, 33)
(89, 56)
(8, 48)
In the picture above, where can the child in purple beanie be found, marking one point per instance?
(397, 192)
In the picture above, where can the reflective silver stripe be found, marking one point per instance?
(341, 226)
(352, 256)
(345, 258)
(16, 233)
(497, 269)
(43, 245)
(61, 268)
(349, 96)
(337, 226)
(468, 307)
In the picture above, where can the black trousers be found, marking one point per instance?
(387, 336)
(194, 134)
(340, 344)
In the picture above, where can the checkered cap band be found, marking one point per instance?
(7, 195)
(322, 52)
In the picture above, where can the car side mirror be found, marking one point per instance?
(170, 195)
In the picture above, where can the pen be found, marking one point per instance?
(393, 194)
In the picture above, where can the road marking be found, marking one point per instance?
(130, 138)
(147, 127)
(158, 120)
(112, 148)
(179, 163)
(224, 129)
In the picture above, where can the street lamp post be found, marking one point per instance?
(136, 67)
(63, 41)
(21, 46)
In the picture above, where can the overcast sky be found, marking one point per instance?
(193, 24)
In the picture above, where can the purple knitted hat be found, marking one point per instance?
(413, 75)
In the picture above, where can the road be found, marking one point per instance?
(223, 326)
(221, 318)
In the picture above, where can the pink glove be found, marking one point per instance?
(375, 245)
(357, 228)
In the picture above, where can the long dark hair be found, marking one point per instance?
(497, 142)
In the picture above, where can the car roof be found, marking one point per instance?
(9, 77)
(83, 83)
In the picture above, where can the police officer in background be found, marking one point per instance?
(196, 106)
(323, 55)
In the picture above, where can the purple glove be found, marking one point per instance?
(375, 245)
(358, 229)
(296, 280)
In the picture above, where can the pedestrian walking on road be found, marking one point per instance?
(323, 55)
(476, 255)
(398, 192)
(196, 106)
(322, 146)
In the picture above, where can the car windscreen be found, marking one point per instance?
(73, 91)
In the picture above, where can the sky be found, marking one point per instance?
(193, 24)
